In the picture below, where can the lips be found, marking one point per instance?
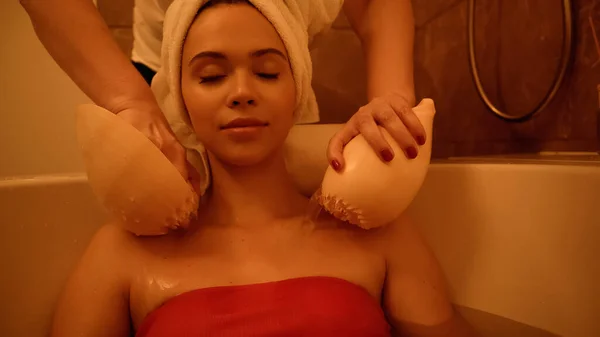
(244, 123)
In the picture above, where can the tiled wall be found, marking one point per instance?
(518, 45)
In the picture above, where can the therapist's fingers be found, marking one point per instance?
(194, 178)
(158, 132)
(408, 118)
(336, 146)
(175, 153)
(361, 123)
(391, 122)
(369, 129)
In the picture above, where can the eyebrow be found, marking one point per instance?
(257, 53)
(265, 51)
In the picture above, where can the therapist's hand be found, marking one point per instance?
(153, 125)
(393, 113)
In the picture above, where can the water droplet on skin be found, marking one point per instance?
(45, 224)
(75, 241)
(132, 199)
(137, 220)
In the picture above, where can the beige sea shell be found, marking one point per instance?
(134, 181)
(369, 192)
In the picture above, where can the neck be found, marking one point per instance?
(252, 196)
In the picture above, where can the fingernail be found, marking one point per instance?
(420, 140)
(387, 155)
(411, 153)
(336, 165)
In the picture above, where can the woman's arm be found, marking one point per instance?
(95, 301)
(75, 35)
(386, 31)
(415, 296)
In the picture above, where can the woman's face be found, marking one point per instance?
(237, 84)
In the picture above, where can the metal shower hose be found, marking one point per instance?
(564, 63)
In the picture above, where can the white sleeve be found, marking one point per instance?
(148, 17)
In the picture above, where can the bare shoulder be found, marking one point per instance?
(416, 297)
(94, 301)
(390, 240)
(108, 250)
(400, 235)
(124, 251)
(415, 287)
(112, 234)
(111, 241)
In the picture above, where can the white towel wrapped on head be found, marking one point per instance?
(296, 21)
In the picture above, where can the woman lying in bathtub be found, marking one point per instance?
(251, 265)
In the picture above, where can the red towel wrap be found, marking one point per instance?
(315, 306)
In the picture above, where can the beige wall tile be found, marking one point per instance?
(339, 76)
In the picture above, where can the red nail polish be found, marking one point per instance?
(387, 155)
(411, 153)
(420, 140)
(335, 164)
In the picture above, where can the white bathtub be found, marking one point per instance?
(519, 243)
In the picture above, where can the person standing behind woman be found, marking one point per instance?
(76, 36)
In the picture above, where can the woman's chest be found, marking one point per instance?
(229, 258)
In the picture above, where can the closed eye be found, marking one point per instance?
(268, 76)
(210, 79)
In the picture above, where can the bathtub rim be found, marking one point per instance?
(458, 162)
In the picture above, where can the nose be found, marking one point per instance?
(242, 93)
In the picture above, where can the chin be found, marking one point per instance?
(244, 156)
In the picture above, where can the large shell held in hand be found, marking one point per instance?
(369, 192)
(130, 176)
